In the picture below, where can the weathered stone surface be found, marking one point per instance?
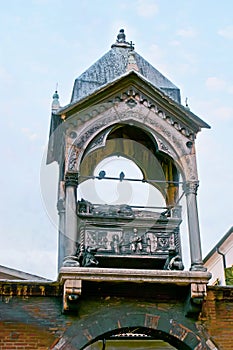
(114, 64)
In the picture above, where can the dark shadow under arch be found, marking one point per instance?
(146, 334)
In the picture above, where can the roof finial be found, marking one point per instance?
(121, 36)
(55, 103)
(186, 103)
(121, 40)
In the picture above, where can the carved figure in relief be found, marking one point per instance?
(115, 244)
(136, 242)
(102, 240)
(89, 258)
(148, 244)
(85, 256)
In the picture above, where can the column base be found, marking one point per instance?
(198, 267)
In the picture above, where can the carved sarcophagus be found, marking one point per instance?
(129, 237)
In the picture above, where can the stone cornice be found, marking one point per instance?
(149, 96)
(26, 288)
(220, 293)
(184, 278)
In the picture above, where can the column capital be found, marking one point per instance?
(191, 187)
(71, 179)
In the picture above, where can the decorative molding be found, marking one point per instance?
(131, 102)
(99, 142)
(114, 111)
(73, 134)
(72, 158)
(79, 143)
(27, 288)
(132, 96)
(163, 147)
(133, 275)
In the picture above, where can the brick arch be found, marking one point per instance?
(101, 325)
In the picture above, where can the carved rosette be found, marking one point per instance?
(191, 187)
(71, 179)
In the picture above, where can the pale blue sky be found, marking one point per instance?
(48, 41)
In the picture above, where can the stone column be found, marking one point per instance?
(71, 224)
(190, 189)
(61, 237)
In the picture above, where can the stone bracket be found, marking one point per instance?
(198, 290)
(195, 299)
(71, 292)
(194, 283)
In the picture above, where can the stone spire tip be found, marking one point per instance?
(121, 41)
(55, 103)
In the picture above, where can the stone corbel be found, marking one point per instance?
(195, 299)
(198, 291)
(71, 292)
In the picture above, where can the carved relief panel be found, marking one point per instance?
(128, 241)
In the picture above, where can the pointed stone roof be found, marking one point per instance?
(117, 62)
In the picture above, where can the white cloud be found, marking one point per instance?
(187, 33)
(214, 83)
(38, 67)
(156, 52)
(215, 111)
(5, 76)
(218, 84)
(230, 89)
(30, 134)
(175, 43)
(224, 113)
(147, 8)
(155, 56)
(226, 32)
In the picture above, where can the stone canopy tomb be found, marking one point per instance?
(123, 108)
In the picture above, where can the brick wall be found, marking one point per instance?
(31, 322)
(36, 322)
(23, 336)
(217, 316)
